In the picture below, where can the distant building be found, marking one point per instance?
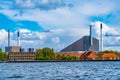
(22, 50)
(12, 49)
(89, 56)
(30, 49)
(110, 56)
(83, 44)
(22, 56)
(17, 53)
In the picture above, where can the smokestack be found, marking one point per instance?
(8, 38)
(91, 42)
(18, 38)
(101, 38)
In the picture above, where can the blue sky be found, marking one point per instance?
(58, 23)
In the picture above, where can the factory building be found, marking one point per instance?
(21, 56)
(9, 48)
(83, 44)
(12, 49)
(16, 53)
(86, 43)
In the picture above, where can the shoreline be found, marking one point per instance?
(58, 61)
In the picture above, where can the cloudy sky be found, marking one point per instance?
(58, 23)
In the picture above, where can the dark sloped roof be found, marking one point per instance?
(76, 46)
(80, 45)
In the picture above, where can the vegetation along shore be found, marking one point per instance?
(48, 55)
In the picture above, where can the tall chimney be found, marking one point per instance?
(91, 42)
(18, 38)
(8, 38)
(101, 38)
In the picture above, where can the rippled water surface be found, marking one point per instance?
(60, 71)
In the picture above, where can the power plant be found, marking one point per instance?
(16, 48)
(100, 39)
(87, 43)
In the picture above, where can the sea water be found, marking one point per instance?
(60, 71)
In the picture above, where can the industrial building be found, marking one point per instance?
(83, 44)
(21, 56)
(12, 49)
(16, 53)
(86, 43)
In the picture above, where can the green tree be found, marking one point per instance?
(48, 53)
(68, 57)
(39, 55)
(3, 55)
(0, 50)
(45, 54)
(74, 58)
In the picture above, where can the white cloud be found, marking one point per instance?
(6, 4)
(3, 35)
(66, 24)
(41, 4)
(105, 29)
(114, 48)
(94, 8)
(60, 37)
(43, 39)
(24, 4)
(61, 17)
(110, 40)
(32, 35)
(24, 31)
(56, 40)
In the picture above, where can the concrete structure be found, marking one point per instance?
(83, 44)
(19, 56)
(12, 49)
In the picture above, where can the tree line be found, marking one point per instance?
(48, 54)
(3, 55)
(45, 54)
